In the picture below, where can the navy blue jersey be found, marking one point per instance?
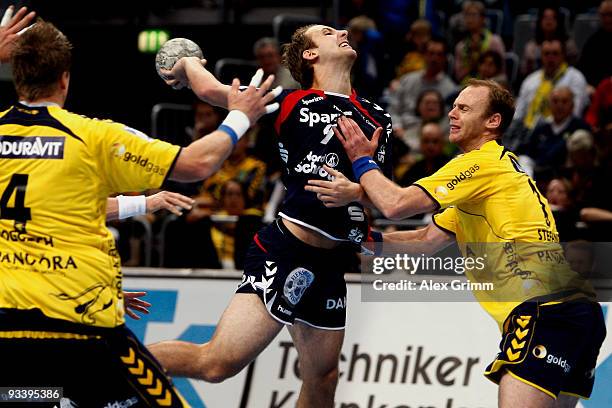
(304, 125)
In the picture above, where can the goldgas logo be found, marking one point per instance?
(441, 191)
(464, 175)
(119, 151)
(39, 147)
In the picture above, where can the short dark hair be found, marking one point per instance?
(560, 32)
(495, 56)
(500, 101)
(42, 54)
(437, 40)
(301, 69)
(423, 94)
(265, 42)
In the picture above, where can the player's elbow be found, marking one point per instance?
(398, 205)
(392, 212)
(191, 167)
(392, 209)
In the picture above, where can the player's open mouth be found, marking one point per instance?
(454, 128)
(344, 44)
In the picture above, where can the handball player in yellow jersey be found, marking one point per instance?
(552, 329)
(61, 300)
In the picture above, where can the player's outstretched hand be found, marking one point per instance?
(10, 28)
(354, 141)
(132, 304)
(336, 193)
(173, 202)
(177, 76)
(253, 101)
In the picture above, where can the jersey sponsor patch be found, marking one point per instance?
(313, 164)
(464, 175)
(119, 151)
(39, 147)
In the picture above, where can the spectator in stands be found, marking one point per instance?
(416, 44)
(429, 108)
(595, 60)
(549, 26)
(366, 75)
(478, 40)
(599, 113)
(234, 202)
(206, 118)
(559, 194)
(547, 144)
(267, 53)
(403, 100)
(532, 102)
(433, 157)
(241, 166)
(491, 66)
(589, 181)
(597, 208)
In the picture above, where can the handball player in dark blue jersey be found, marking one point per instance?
(294, 269)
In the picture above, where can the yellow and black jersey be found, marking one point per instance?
(56, 171)
(495, 211)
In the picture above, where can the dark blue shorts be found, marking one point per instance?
(552, 346)
(296, 281)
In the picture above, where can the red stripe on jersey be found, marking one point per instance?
(289, 103)
(362, 109)
(258, 243)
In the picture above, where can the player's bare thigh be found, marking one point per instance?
(244, 330)
(515, 393)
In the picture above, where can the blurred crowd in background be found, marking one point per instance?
(413, 58)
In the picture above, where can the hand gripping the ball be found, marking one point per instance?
(255, 100)
(172, 59)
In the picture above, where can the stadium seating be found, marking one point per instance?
(584, 26)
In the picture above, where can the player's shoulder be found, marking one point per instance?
(3, 113)
(490, 152)
(85, 123)
(366, 102)
(293, 100)
(292, 97)
(94, 126)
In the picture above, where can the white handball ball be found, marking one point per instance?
(173, 50)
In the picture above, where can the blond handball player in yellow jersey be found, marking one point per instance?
(61, 301)
(551, 328)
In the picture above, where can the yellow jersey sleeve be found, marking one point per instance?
(463, 179)
(130, 160)
(446, 220)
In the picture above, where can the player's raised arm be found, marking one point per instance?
(190, 72)
(204, 156)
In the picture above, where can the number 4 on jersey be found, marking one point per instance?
(18, 212)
